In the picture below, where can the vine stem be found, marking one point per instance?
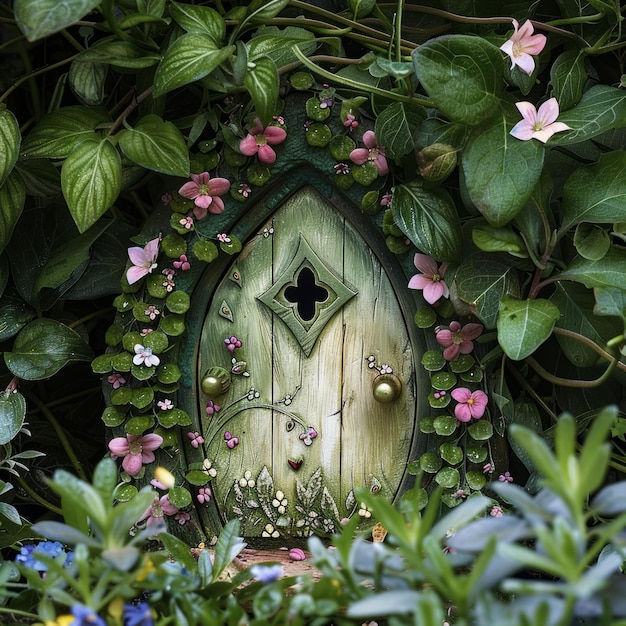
(130, 108)
(60, 434)
(37, 498)
(590, 343)
(90, 316)
(570, 382)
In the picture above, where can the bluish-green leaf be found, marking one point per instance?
(43, 347)
(156, 145)
(91, 179)
(396, 602)
(501, 172)
(12, 415)
(40, 18)
(228, 546)
(12, 198)
(199, 19)
(429, 219)
(262, 82)
(523, 325)
(606, 273)
(397, 126)
(10, 138)
(190, 58)
(567, 78)
(610, 302)
(596, 193)
(463, 75)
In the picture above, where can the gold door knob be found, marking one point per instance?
(215, 382)
(386, 388)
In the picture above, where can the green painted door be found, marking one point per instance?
(299, 427)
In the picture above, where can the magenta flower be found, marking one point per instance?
(182, 263)
(195, 438)
(232, 343)
(212, 408)
(372, 152)
(231, 441)
(143, 261)
(539, 124)
(260, 140)
(159, 507)
(205, 192)
(471, 404)
(430, 281)
(308, 436)
(457, 339)
(522, 45)
(204, 495)
(137, 450)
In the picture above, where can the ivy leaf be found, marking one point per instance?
(190, 58)
(12, 415)
(12, 199)
(523, 325)
(199, 19)
(40, 18)
(262, 82)
(91, 180)
(463, 75)
(482, 280)
(43, 347)
(429, 219)
(501, 172)
(396, 127)
(156, 145)
(567, 78)
(10, 138)
(605, 273)
(596, 193)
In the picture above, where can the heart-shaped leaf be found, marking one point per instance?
(396, 127)
(262, 81)
(12, 414)
(12, 198)
(604, 273)
(10, 138)
(40, 18)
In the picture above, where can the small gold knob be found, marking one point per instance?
(386, 388)
(215, 382)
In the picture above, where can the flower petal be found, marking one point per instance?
(444, 337)
(425, 264)
(267, 154)
(219, 186)
(548, 111)
(528, 111)
(381, 164)
(119, 446)
(151, 251)
(523, 130)
(525, 62)
(132, 464)
(248, 145)
(462, 412)
(217, 206)
(434, 291)
(274, 135)
(359, 155)
(151, 441)
(419, 281)
(369, 139)
(135, 273)
(461, 394)
(189, 190)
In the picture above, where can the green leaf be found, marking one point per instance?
(490, 239)
(523, 325)
(395, 602)
(262, 82)
(199, 19)
(156, 145)
(43, 347)
(600, 109)
(228, 546)
(91, 179)
(596, 193)
(10, 513)
(428, 217)
(40, 18)
(57, 134)
(87, 81)
(105, 477)
(261, 11)
(605, 273)
(447, 477)
(500, 172)
(567, 78)
(12, 199)
(277, 44)
(12, 415)
(10, 138)
(190, 58)
(610, 302)
(396, 127)
(119, 54)
(591, 241)
(463, 75)
(14, 315)
(482, 280)
(481, 430)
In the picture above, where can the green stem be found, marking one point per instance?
(90, 316)
(37, 498)
(570, 382)
(129, 109)
(591, 344)
(532, 392)
(67, 446)
(581, 19)
(18, 613)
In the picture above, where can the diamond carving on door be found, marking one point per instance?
(313, 321)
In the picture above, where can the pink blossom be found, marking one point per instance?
(116, 380)
(495, 511)
(205, 192)
(539, 124)
(182, 517)
(430, 281)
(372, 152)
(457, 339)
(204, 495)
(137, 450)
(182, 263)
(143, 260)
(470, 403)
(212, 408)
(522, 45)
(505, 478)
(186, 222)
(196, 438)
(259, 141)
(159, 507)
(165, 405)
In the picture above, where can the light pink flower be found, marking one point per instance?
(116, 380)
(196, 438)
(522, 45)
(457, 339)
(259, 141)
(471, 404)
(430, 281)
(539, 124)
(137, 450)
(144, 356)
(372, 152)
(143, 261)
(159, 507)
(205, 192)
(165, 405)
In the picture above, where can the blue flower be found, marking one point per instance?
(138, 615)
(267, 573)
(85, 616)
(53, 549)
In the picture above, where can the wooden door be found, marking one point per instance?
(299, 427)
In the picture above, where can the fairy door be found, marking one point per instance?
(305, 375)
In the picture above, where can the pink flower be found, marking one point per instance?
(116, 380)
(522, 45)
(204, 495)
(457, 339)
(152, 312)
(205, 192)
(182, 517)
(159, 507)
(259, 141)
(505, 478)
(430, 281)
(308, 436)
(165, 405)
(143, 260)
(182, 263)
(470, 403)
(539, 124)
(195, 438)
(372, 152)
(212, 408)
(495, 511)
(137, 450)
(186, 222)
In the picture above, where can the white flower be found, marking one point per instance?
(144, 356)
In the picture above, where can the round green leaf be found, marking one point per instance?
(481, 430)
(433, 360)
(173, 325)
(179, 497)
(426, 425)
(445, 424)
(447, 477)
(12, 415)
(197, 478)
(157, 341)
(125, 493)
(425, 317)
(102, 364)
(178, 302)
(205, 250)
(169, 373)
(112, 416)
(462, 363)
(475, 480)
(139, 424)
(450, 453)
(443, 380)
(591, 241)
(142, 397)
(476, 455)
(430, 462)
